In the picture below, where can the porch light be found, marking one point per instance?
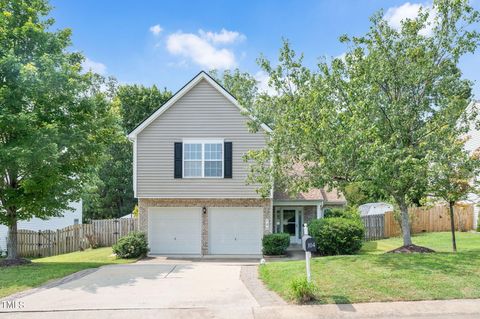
(204, 209)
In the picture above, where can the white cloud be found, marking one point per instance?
(156, 29)
(200, 51)
(95, 67)
(341, 56)
(396, 15)
(262, 77)
(224, 36)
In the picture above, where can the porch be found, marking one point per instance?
(289, 217)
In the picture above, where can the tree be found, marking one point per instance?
(452, 176)
(137, 102)
(54, 121)
(377, 115)
(357, 194)
(244, 87)
(111, 194)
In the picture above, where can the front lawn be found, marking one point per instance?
(15, 279)
(440, 242)
(372, 276)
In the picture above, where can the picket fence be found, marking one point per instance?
(99, 233)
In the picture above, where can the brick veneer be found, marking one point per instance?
(144, 203)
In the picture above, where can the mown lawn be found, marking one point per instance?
(373, 276)
(15, 279)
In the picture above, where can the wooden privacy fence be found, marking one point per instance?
(104, 232)
(109, 231)
(434, 219)
(374, 227)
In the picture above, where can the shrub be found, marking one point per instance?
(302, 290)
(337, 236)
(275, 244)
(134, 245)
(349, 212)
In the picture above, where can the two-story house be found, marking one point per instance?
(189, 178)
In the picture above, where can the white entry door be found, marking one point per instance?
(175, 230)
(289, 220)
(235, 230)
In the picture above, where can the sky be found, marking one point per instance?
(166, 43)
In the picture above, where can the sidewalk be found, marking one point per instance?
(411, 309)
(442, 309)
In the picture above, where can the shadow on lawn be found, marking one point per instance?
(459, 264)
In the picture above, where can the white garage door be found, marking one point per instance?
(175, 230)
(235, 230)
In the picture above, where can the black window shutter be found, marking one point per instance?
(227, 159)
(178, 160)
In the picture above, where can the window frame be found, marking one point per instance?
(202, 142)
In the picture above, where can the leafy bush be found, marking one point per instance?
(337, 236)
(133, 245)
(275, 244)
(302, 290)
(349, 212)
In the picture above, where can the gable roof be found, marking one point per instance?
(332, 197)
(180, 93)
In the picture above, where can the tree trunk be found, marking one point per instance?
(452, 225)
(12, 240)
(405, 223)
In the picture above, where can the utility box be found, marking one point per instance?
(308, 243)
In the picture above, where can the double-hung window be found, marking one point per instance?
(203, 158)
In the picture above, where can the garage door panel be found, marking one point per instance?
(174, 230)
(235, 230)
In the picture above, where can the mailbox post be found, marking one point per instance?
(308, 244)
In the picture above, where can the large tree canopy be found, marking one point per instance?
(111, 195)
(377, 115)
(54, 122)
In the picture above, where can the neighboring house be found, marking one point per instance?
(472, 145)
(374, 209)
(70, 217)
(190, 178)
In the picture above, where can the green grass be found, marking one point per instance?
(372, 276)
(440, 242)
(42, 270)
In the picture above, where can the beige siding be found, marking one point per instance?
(203, 112)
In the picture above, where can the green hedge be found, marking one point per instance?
(349, 212)
(337, 235)
(275, 244)
(134, 245)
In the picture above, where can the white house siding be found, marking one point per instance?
(472, 144)
(203, 112)
(53, 223)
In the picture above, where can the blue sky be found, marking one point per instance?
(167, 42)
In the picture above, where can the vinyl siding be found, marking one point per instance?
(203, 112)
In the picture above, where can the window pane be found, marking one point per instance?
(213, 168)
(213, 152)
(193, 151)
(193, 168)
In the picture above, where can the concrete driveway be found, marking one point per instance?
(147, 285)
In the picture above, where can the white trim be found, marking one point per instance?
(202, 142)
(319, 211)
(135, 168)
(297, 202)
(201, 76)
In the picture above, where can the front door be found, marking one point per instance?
(289, 220)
